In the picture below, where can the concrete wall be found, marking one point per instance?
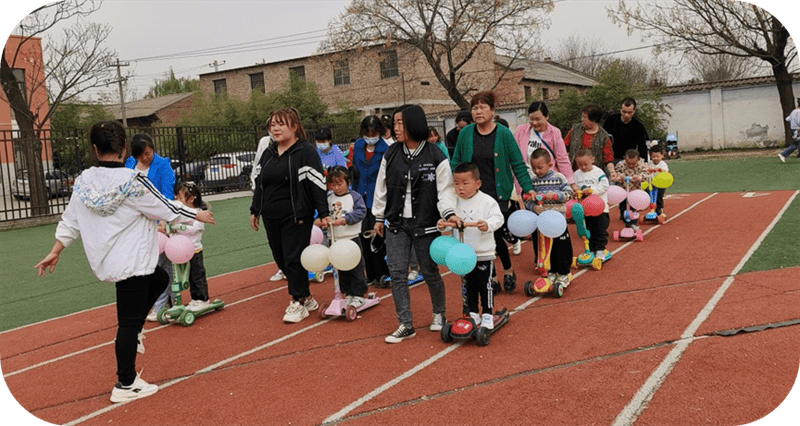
(728, 117)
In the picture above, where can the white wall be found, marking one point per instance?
(735, 117)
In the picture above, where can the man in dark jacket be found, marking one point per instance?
(463, 119)
(626, 131)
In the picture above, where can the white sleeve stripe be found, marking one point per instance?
(313, 176)
(175, 209)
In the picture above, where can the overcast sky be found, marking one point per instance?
(278, 30)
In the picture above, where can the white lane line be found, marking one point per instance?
(638, 403)
(337, 417)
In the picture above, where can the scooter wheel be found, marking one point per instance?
(661, 219)
(320, 277)
(351, 313)
(528, 288)
(161, 316)
(558, 290)
(616, 236)
(322, 309)
(482, 336)
(639, 235)
(445, 334)
(597, 263)
(186, 318)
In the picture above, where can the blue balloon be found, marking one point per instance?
(522, 223)
(440, 246)
(461, 259)
(552, 224)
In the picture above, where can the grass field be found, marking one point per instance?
(231, 245)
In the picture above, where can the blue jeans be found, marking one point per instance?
(791, 148)
(167, 297)
(400, 241)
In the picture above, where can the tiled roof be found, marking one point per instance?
(696, 87)
(145, 107)
(549, 71)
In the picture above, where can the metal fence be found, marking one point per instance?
(218, 159)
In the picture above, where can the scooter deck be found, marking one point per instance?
(501, 318)
(338, 306)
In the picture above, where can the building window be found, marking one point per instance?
(389, 64)
(220, 87)
(299, 71)
(257, 82)
(528, 93)
(545, 92)
(341, 73)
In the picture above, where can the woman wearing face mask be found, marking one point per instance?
(367, 154)
(329, 154)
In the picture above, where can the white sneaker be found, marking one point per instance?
(783, 159)
(140, 344)
(198, 305)
(311, 304)
(356, 301)
(413, 275)
(348, 300)
(437, 322)
(138, 389)
(487, 321)
(517, 248)
(295, 312)
(152, 316)
(476, 318)
(564, 280)
(400, 334)
(278, 276)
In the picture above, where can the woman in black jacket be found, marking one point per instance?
(289, 189)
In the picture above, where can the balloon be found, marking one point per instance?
(522, 223)
(461, 259)
(663, 180)
(179, 249)
(552, 224)
(645, 186)
(314, 257)
(316, 235)
(344, 255)
(162, 242)
(638, 199)
(440, 246)
(593, 205)
(615, 195)
(570, 203)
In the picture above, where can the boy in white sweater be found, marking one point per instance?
(655, 165)
(482, 216)
(589, 176)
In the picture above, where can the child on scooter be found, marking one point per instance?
(657, 164)
(347, 209)
(634, 167)
(556, 191)
(589, 176)
(189, 195)
(482, 216)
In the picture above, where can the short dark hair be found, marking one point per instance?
(583, 152)
(467, 167)
(338, 172)
(632, 153)
(108, 136)
(432, 131)
(194, 191)
(538, 106)
(464, 115)
(657, 149)
(323, 134)
(628, 102)
(139, 142)
(487, 97)
(500, 120)
(372, 123)
(414, 122)
(593, 112)
(541, 153)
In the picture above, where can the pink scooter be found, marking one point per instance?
(632, 216)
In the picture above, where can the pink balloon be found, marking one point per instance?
(638, 199)
(316, 235)
(570, 203)
(615, 195)
(593, 205)
(179, 249)
(162, 242)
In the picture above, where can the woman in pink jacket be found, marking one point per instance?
(541, 134)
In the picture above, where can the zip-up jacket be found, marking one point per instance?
(306, 183)
(367, 170)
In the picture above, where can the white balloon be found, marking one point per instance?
(552, 224)
(344, 255)
(314, 258)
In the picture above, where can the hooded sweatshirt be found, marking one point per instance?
(113, 210)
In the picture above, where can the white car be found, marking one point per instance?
(229, 170)
(57, 183)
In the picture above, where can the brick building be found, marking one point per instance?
(378, 79)
(165, 110)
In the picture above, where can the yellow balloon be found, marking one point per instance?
(663, 180)
(645, 186)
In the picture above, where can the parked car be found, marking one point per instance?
(194, 171)
(58, 183)
(229, 170)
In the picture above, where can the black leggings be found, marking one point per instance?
(287, 239)
(135, 297)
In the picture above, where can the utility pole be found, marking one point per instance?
(216, 65)
(120, 80)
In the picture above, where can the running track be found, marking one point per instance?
(635, 343)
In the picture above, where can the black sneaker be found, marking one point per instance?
(403, 332)
(510, 282)
(496, 286)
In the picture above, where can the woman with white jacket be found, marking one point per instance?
(114, 210)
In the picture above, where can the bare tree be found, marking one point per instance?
(74, 64)
(717, 27)
(448, 33)
(581, 54)
(707, 68)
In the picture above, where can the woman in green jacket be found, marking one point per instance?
(496, 153)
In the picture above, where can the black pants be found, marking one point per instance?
(135, 297)
(198, 286)
(479, 283)
(374, 262)
(598, 230)
(560, 252)
(500, 244)
(660, 200)
(287, 239)
(352, 282)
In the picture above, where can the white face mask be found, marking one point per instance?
(371, 141)
(323, 146)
